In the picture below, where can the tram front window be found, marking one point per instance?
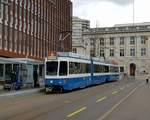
(51, 68)
(63, 68)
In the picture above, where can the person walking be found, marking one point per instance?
(147, 80)
(35, 77)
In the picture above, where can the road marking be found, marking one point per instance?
(115, 92)
(101, 99)
(122, 88)
(66, 101)
(116, 105)
(77, 111)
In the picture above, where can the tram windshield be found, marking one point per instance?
(63, 68)
(51, 68)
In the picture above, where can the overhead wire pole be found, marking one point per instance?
(62, 38)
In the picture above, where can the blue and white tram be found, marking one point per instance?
(68, 71)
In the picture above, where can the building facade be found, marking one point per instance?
(125, 44)
(78, 43)
(32, 28)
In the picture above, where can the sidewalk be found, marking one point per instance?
(21, 92)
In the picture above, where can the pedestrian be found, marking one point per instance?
(147, 80)
(35, 77)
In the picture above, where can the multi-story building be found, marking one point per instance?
(32, 28)
(126, 44)
(78, 44)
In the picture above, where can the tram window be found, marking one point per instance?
(114, 69)
(78, 68)
(74, 68)
(63, 68)
(88, 67)
(83, 68)
(106, 69)
(101, 69)
(111, 69)
(51, 68)
(96, 69)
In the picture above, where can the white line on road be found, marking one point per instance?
(116, 105)
(101, 99)
(77, 111)
(122, 88)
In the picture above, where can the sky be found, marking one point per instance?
(107, 13)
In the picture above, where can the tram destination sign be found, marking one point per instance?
(52, 57)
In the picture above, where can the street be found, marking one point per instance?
(119, 100)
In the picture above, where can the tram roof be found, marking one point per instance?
(74, 55)
(19, 61)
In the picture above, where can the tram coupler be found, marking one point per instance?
(48, 89)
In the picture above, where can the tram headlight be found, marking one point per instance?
(51, 81)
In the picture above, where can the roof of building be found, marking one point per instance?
(19, 61)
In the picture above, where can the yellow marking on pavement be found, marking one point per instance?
(101, 99)
(115, 92)
(77, 111)
(67, 101)
(116, 105)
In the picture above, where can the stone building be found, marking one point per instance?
(78, 43)
(125, 44)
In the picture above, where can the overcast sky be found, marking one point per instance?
(106, 13)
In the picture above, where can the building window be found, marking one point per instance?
(121, 52)
(111, 41)
(74, 50)
(143, 51)
(132, 52)
(132, 40)
(122, 41)
(92, 42)
(102, 54)
(111, 52)
(143, 39)
(92, 53)
(102, 41)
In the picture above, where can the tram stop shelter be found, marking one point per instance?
(25, 68)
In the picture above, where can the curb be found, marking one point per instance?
(21, 93)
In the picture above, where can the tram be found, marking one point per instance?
(68, 71)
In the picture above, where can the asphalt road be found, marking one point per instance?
(121, 100)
